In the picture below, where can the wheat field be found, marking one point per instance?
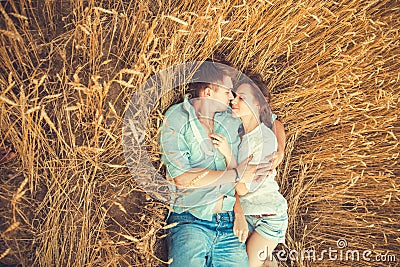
(69, 68)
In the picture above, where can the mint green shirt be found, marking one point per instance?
(184, 146)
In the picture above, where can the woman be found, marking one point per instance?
(265, 209)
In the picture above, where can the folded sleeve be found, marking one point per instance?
(254, 185)
(273, 118)
(174, 150)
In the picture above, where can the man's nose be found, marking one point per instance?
(233, 101)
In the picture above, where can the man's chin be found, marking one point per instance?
(235, 115)
(222, 109)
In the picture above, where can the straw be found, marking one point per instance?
(70, 68)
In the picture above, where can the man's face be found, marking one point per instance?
(222, 94)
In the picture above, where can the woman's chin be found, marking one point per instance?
(235, 115)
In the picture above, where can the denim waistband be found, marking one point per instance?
(187, 216)
(223, 216)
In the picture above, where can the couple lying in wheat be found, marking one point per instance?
(220, 153)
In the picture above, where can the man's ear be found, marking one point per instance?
(207, 91)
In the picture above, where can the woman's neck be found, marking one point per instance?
(250, 122)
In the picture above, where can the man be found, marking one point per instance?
(204, 193)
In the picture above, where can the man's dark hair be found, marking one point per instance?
(211, 71)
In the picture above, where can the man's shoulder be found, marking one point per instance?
(174, 109)
(176, 115)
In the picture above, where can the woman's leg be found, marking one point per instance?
(259, 251)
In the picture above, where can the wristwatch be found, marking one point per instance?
(237, 178)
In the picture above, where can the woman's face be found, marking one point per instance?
(245, 104)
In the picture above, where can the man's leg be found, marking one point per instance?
(188, 243)
(228, 251)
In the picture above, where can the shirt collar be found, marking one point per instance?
(188, 107)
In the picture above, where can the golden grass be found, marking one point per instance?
(69, 69)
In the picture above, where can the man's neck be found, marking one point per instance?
(203, 109)
(205, 114)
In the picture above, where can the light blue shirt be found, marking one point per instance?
(184, 146)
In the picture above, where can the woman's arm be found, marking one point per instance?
(240, 227)
(279, 131)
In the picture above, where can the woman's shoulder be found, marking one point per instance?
(266, 131)
(268, 137)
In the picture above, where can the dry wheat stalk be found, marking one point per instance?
(69, 69)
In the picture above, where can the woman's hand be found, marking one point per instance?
(240, 227)
(222, 145)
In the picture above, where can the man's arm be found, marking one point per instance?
(241, 189)
(175, 155)
(198, 177)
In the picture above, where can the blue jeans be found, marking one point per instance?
(197, 243)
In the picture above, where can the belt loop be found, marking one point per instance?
(231, 216)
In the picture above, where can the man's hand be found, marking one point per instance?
(248, 173)
(275, 159)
